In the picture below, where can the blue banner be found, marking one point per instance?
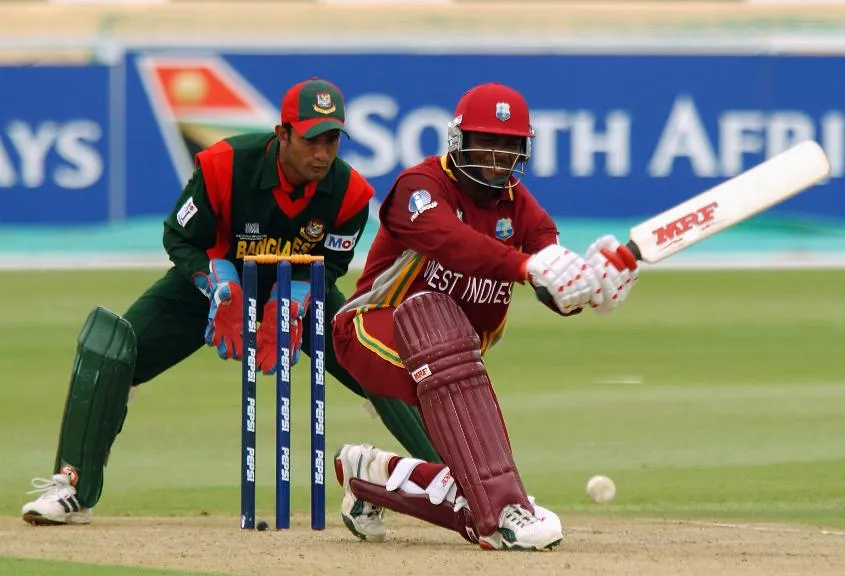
(616, 136)
(54, 140)
(620, 137)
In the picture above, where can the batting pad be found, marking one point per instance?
(442, 352)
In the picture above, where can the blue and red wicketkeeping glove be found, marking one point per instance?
(225, 316)
(268, 341)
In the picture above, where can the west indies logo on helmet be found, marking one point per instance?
(484, 115)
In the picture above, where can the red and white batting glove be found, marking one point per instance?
(616, 268)
(565, 275)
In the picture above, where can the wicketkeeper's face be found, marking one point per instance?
(310, 158)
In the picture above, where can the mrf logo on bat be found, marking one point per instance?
(699, 219)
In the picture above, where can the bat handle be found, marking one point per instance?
(635, 250)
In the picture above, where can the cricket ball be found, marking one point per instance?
(601, 489)
(262, 526)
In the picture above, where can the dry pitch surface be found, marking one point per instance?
(592, 545)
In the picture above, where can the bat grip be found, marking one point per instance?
(635, 250)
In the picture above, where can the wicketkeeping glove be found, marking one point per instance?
(225, 316)
(267, 340)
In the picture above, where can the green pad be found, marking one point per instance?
(406, 425)
(97, 398)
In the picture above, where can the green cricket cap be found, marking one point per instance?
(313, 107)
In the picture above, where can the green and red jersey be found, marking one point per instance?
(238, 203)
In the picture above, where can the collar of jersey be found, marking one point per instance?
(507, 193)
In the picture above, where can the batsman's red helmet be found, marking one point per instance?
(491, 108)
(494, 108)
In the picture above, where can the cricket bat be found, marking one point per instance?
(755, 190)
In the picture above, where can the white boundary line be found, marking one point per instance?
(748, 43)
(764, 528)
(86, 261)
(160, 261)
(786, 529)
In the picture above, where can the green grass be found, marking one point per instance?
(20, 567)
(708, 395)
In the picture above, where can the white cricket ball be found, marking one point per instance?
(601, 489)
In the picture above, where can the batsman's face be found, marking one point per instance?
(494, 155)
(307, 159)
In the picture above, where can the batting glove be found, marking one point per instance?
(567, 278)
(616, 268)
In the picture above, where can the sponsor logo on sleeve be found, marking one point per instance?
(186, 212)
(419, 202)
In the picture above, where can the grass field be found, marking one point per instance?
(714, 396)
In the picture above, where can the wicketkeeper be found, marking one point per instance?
(283, 192)
(456, 233)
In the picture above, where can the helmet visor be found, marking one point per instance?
(492, 160)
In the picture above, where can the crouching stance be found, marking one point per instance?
(282, 192)
(457, 232)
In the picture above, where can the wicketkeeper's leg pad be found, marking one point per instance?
(442, 352)
(96, 402)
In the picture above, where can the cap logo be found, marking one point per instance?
(503, 111)
(324, 104)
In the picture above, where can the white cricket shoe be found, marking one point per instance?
(57, 504)
(364, 520)
(519, 529)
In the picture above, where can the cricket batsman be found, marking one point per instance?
(456, 233)
(283, 192)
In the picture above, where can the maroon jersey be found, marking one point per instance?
(434, 237)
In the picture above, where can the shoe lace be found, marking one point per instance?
(44, 485)
(520, 516)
